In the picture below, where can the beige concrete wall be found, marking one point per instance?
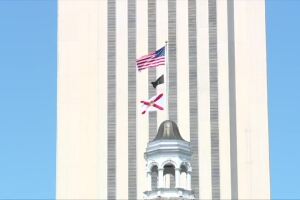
(223, 84)
(205, 191)
(81, 125)
(183, 69)
(161, 38)
(251, 100)
(121, 100)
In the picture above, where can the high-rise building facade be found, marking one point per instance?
(217, 95)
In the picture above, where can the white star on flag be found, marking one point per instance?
(155, 103)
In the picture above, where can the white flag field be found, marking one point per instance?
(155, 103)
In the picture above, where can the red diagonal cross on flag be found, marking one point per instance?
(153, 104)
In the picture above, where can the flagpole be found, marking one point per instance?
(167, 79)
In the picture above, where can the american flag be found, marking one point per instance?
(154, 59)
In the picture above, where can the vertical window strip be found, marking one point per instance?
(214, 111)
(132, 165)
(232, 100)
(111, 99)
(172, 60)
(193, 89)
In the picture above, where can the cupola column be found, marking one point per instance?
(188, 180)
(160, 178)
(177, 177)
(149, 181)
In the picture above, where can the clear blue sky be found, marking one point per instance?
(28, 98)
(283, 31)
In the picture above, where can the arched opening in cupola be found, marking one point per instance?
(154, 177)
(169, 176)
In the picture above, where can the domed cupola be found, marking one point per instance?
(168, 159)
(168, 130)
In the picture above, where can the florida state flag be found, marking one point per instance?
(155, 103)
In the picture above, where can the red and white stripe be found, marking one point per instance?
(150, 61)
